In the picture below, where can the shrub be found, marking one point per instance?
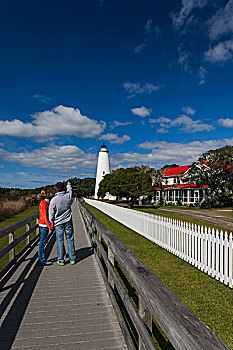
(11, 207)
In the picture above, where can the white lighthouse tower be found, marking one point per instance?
(103, 167)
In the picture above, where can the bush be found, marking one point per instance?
(11, 207)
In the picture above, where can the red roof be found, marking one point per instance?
(177, 170)
(181, 186)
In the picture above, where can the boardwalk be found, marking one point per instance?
(55, 307)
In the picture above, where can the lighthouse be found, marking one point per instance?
(103, 167)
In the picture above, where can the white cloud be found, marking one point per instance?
(189, 125)
(60, 120)
(221, 23)
(183, 59)
(202, 75)
(114, 138)
(228, 123)
(184, 122)
(163, 121)
(162, 131)
(42, 98)
(115, 124)
(141, 111)
(133, 89)
(163, 152)
(100, 3)
(189, 110)
(185, 15)
(57, 158)
(221, 52)
(150, 32)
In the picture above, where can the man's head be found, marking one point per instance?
(59, 186)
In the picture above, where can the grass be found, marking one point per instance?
(18, 217)
(209, 299)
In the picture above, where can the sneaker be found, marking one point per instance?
(60, 263)
(72, 262)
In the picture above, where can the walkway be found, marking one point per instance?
(210, 217)
(55, 307)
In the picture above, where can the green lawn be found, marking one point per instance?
(209, 299)
(18, 217)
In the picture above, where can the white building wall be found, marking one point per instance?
(170, 180)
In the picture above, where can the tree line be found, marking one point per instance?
(15, 200)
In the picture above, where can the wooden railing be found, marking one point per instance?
(150, 315)
(13, 242)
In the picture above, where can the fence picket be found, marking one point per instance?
(195, 245)
(226, 259)
(217, 256)
(192, 246)
(221, 257)
(187, 241)
(200, 231)
(213, 255)
(230, 273)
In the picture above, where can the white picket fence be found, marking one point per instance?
(208, 250)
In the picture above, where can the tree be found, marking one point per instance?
(214, 169)
(131, 183)
(159, 181)
(170, 166)
(83, 187)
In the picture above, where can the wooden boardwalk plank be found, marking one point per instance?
(58, 307)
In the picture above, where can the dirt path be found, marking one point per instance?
(209, 217)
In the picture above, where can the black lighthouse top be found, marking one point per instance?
(103, 148)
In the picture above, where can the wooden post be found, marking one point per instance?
(28, 237)
(12, 251)
(146, 317)
(111, 259)
(99, 239)
(38, 228)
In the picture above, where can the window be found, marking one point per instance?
(191, 196)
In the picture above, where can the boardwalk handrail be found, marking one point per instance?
(13, 242)
(183, 329)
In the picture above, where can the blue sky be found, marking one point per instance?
(151, 79)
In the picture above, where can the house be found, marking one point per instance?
(176, 191)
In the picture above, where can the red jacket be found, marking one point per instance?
(44, 207)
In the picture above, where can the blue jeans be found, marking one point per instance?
(43, 237)
(66, 228)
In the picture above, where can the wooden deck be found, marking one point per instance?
(58, 307)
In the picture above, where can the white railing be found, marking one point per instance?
(207, 249)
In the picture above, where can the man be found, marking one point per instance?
(61, 216)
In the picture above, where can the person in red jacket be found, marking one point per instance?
(45, 226)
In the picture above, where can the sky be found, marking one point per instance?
(151, 79)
